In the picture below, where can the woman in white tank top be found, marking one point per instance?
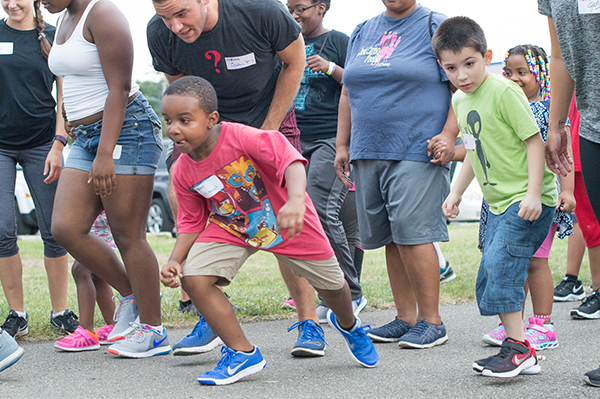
(111, 166)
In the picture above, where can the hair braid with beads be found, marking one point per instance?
(40, 25)
(538, 64)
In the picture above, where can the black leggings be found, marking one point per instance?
(590, 165)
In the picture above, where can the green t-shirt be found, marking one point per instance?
(499, 118)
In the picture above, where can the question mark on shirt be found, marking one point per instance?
(212, 53)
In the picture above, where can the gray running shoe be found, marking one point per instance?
(143, 342)
(391, 332)
(322, 310)
(126, 315)
(10, 351)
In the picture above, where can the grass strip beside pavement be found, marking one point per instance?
(259, 289)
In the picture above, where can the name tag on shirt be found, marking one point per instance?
(469, 141)
(243, 61)
(209, 187)
(589, 6)
(6, 48)
(117, 151)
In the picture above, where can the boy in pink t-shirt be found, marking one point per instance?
(241, 189)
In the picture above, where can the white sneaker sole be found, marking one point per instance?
(87, 348)
(486, 339)
(528, 364)
(161, 350)
(569, 298)
(196, 350)
(11, 359)
(225, 381)
(410, 345)
(576, 314)
(535, 369)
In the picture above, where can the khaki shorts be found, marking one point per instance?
(224, 261)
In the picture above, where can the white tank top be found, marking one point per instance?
(77, 61)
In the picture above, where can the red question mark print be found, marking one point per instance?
(213, 54)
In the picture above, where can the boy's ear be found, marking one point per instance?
(488, 57)
(213, 119)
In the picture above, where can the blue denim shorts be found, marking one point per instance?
(510, 243)
(138, 148)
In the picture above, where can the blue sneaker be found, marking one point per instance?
(233, 366)
(202, 339)
(391, 332)
(424, 335)
(359, 345)
(10, 351)
(310, 341)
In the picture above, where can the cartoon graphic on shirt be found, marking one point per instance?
(474, 127)
(300, 100)
(240, 204)
(379, 55)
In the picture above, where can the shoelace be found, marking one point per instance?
(199, 326)
(226, 357)
(69, 314)
(138, 333)
(309, 330)
(120, 302)
(594, 296)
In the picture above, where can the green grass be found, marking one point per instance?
(259, 289)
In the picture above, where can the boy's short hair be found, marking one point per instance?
(196, 87)
(456, 33)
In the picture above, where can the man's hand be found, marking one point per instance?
(442, 148)
(557, 154)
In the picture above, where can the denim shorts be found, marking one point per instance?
(400, 202)
(510, 244)
(138, 148)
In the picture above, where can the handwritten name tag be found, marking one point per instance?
(209, 186)
(589, 6)
(469, 141)
(243, 61)
(6, 48)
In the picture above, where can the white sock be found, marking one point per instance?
(58, 314)
(21, 314)
(441, 259)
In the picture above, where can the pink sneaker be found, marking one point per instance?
(103, 334)
(289, 304)
(541, 336)
(496, 336)
(80, 340)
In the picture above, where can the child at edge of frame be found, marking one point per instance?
(241, 190)
(506, 155)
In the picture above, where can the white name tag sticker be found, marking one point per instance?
(469, 141)
(589, 6)
(6, 48)
(117, 151)
(243, 61)
(209, 187)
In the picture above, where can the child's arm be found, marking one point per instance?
(466, 175)
(291, 215)
(566, 199)
(173, 269)
(531, 206)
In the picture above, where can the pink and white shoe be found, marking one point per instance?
(80, 340)
(496, 336)
(289, 304)
(541, 336)
(103, 334)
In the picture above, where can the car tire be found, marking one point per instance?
(158, 217)
(22, 227)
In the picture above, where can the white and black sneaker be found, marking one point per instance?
(589, 308)
(66, 320)
(16, 325)
(569, 290)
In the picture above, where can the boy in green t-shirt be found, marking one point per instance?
(506, 154)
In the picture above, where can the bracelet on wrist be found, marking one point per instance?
(60, 138)
(331, 69)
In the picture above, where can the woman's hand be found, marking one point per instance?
(102, 175)
(53, 164)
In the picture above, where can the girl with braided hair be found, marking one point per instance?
(30, 135)
(527, 65)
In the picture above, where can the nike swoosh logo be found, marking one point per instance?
(232, 371)
(159, 342)
(518, 361)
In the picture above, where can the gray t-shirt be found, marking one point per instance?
(579, 39)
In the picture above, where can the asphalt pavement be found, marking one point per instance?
(442, 372)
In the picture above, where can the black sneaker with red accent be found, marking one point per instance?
(513, 359)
